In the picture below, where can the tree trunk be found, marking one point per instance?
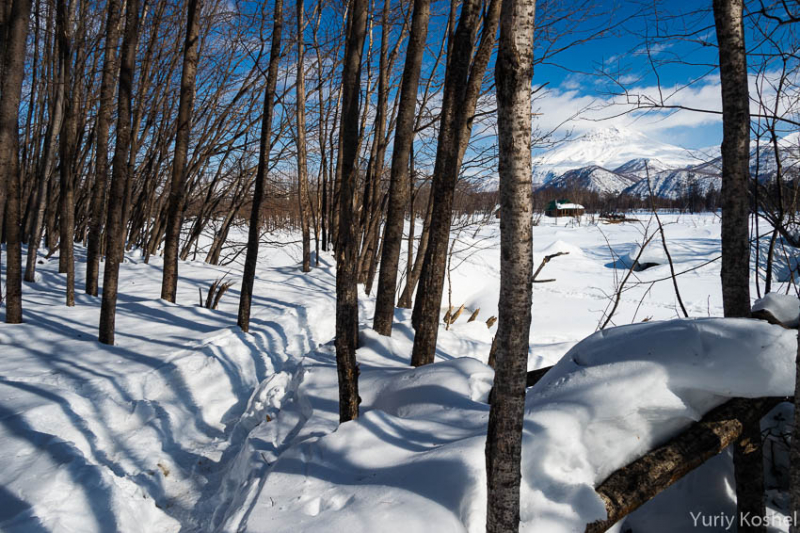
(346, 245)
(119, 175)
(43, 180)
(261, 173)
(735, 274)
(513, 73)
(400, 179)
(169, 285)
(67, 147)
(107, 87)
(302, 168)
(15, 27)
(463, 79)
(415, 271)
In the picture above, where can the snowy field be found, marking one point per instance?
(190, 425)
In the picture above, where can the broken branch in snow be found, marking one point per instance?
(632, 486)
(546, 260)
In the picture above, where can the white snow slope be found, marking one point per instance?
(609, 148)
(188, 424)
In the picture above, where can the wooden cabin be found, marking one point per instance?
(563, 208)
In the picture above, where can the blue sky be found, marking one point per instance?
(594, 75)
(681, 59)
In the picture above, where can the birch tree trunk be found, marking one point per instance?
(728, 19)
(169, 285)
(513, 73)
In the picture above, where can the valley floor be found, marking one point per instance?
(188, 424)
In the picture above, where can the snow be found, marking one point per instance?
(784, 307)
(609, 148)
(190, 424)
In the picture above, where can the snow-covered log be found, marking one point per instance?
(632, 486)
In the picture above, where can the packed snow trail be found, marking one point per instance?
(136, 437)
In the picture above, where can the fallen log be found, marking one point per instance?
(632, 486)
(531, 379)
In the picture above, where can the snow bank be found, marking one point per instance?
(414, 461)
(653, 254)
(623, 391)
(783, 307)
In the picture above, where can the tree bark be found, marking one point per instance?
(169, 285)
(107, 88)
(346, 245)
(513, 74)
(463, 79)
(119, 175)
(15, 28)
(735, 272)
(67, 148)
(400, 180)
(302, 167)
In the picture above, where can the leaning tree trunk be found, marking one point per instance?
(463, 79)
(302, 168)
(45, 169)
(400, 180)
(169, 283)
(119, 175)
(15, 28)
(251, 259)
(735, 274)
(513, 73)
(346, 245)
(107, 86)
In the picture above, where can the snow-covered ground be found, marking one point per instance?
(190, 424)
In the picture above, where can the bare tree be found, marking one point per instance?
(169, 286)
(261, 173)
(67, 140)
(462, 87)
(107, 88)
(15, 30)
(119, 175)
(400, 180)
(346, 245)
(302, 166)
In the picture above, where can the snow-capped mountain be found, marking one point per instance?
(609, 148)
(674, 184)
(594, 179)
(641, 167)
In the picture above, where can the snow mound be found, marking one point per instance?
(783, 307)
(561, 246)
(623, 391)
(653, 254)
(414, 460)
